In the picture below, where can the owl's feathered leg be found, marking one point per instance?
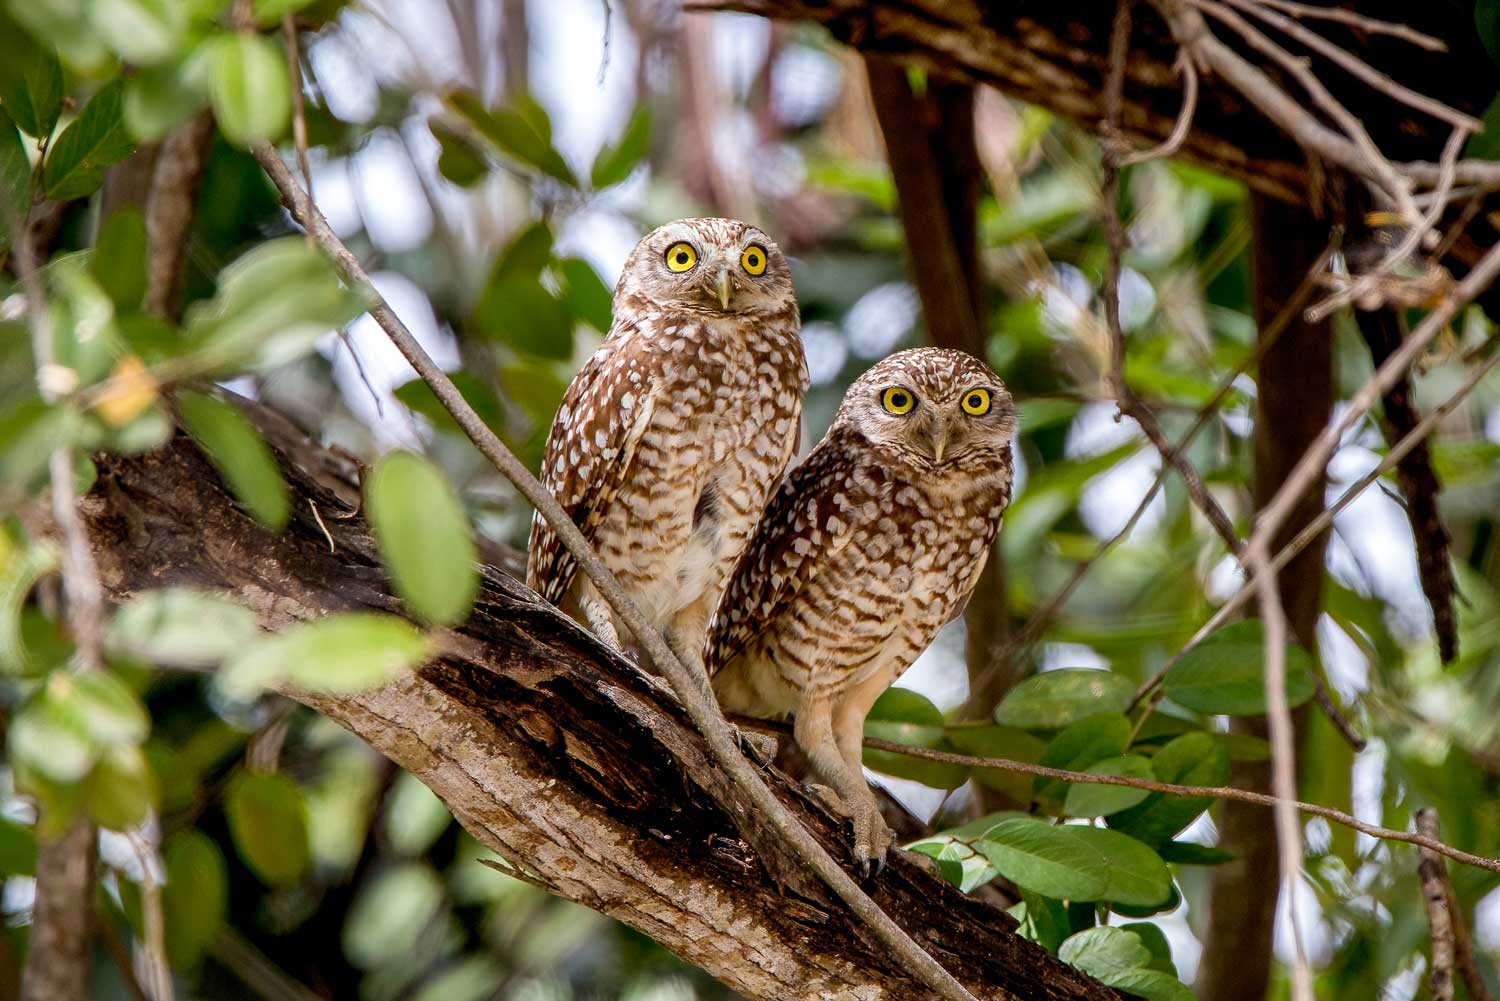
(686, 633)
(598, 616)
(814, 733)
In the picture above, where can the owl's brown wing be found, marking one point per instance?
(806, 522)
(604, 413)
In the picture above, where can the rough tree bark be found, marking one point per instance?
(1295, 396)
(574, 766)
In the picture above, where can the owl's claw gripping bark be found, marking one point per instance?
(872, 838)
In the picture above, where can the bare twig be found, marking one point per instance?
(1359, 22)
(1439, 918)
(1283, 754)
(299, 108)
(691, 689)
(1358, 67)
(1151, 785)
(149, 857)
(1184, 123)
(240, 956)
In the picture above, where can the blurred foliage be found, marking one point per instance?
(277, 829)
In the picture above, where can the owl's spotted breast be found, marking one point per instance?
(672, 436)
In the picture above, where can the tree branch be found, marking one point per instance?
(559, 755)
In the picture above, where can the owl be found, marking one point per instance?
(868, 548)
(671, 437)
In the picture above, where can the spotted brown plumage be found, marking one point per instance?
(868, 548)
(671, 437)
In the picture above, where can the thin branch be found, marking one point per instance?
(1283, 755)
(155, 942)
(240, 956)
(1315, 527)
(1357, 67)
(1360, 22)
(1150, 785)
(691, 689)
(1371, 162)
(299, 109)
(1184, 123)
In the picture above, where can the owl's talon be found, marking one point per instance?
(761, 747)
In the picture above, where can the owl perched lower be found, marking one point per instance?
(672, 436)
(869, 547)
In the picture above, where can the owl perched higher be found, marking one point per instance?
(672, 436)
(869, 547)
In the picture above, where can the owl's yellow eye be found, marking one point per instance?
(681, 257)
(897, 400)
(976, 402)
(753, 260)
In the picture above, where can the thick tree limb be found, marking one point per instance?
(570, 763)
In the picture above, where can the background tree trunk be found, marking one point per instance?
(1295, 395)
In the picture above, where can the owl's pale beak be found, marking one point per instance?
(937, 439)
(724, 289)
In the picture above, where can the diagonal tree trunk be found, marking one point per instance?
(574, 766)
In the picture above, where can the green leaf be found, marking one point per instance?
(614, 163)
(1192, 759)
(29, 433)
(386, 909)
(458, 159)
(908, 717)
(414, 816)
(1101, 801)
(121, 790)
(268, 821)
(178, 627)
(143, 32)
(1156, 944)
(1190, 853)
(1152, 985)
(417, 395)
(239, 454)
(110, 710)
(15, 176)
(273, 304)
(1090, 740)
(338, 654)
(1137, 875)
(94, 141)
(270, 12)
(195, 899)
(118, 261)
(1043, 920)
(1102, 951)
(1047, 859)
(523, 314)
(424, 536)
(999, 742)
(251, 91)
(160, 98)
(49, 735)
(1057, 698)
(31, 83)
(1225, 673)
(522, 131)
(586, 295)
(17, 849)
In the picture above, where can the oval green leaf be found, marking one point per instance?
(1102, 951)
(424, 536)
(268, 821)
(251, 90)
(239, 454)
(1136, 875)
(96, 139)
(179, 627)
(1055, 699)
(339, 654)
(196, 897)
(1192, 759)
(1152, 985)
(1226, 673)
(1047, 859)
(1086, 800)
(907, 717)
